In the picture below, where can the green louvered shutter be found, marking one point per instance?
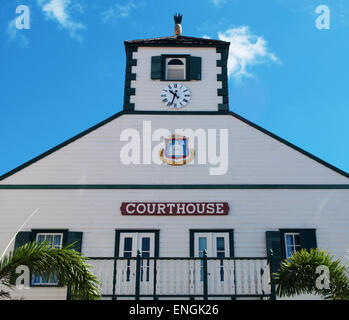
(308, 238)
(156, 67)
(274, 246)
(74, 236)
(21, 239)
(274, 252)
(195, 68)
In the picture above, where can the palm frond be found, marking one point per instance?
(297, 275)
(64, 263)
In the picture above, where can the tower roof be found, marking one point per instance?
(177, 40)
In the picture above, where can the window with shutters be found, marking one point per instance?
(175, 69)
(56, 241)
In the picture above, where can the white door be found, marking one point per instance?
(130, 243)
(219, 277)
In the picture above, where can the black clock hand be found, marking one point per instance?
(174, 93)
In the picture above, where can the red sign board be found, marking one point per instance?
(174, 208)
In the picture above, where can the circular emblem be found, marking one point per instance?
(175, 95)
(176, 151)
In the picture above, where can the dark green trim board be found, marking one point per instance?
(129, 76)
(174, 186)
(223, 77)
(177, 112)
(257, 127)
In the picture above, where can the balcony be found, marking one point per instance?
(181, 278)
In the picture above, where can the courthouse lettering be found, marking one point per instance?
(174, 208)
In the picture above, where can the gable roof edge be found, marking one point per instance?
(59, 146)
(289, 144)
(117, 115)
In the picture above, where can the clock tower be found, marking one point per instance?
(176, 73)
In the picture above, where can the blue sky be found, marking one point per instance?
(66, 73)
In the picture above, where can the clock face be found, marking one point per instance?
(175, 95)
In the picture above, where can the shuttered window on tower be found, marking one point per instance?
(173, 68)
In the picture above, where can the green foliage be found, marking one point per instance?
(65, 263)
(297, 275)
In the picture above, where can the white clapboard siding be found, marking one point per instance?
(55, 293)
(203, 92)
(253, 158)
(252, 212)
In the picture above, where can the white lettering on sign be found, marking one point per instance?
(174, 208)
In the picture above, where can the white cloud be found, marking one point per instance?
(60, 11)
(118, 11)
(246, 50)
(16, 35)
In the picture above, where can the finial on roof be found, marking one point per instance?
(178, 26)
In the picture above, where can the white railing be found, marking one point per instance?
(182, 277)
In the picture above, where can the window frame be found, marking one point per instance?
(285, 234)
(35, 232)
(183, 66)
(118, 244)
(293, 230)
(230, 233)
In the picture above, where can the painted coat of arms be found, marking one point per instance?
(176, 151)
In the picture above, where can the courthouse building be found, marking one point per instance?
(176, 196)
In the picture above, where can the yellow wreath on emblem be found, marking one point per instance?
(173, 163)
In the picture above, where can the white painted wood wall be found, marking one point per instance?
(254, 158)
(204, 91)
(252, 212)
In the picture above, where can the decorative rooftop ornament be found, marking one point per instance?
(178, 26)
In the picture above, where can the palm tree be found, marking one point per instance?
(298, 275)
(65, 264)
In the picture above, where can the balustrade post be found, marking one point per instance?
(138, 274)
(205, 275)
(272, 285)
